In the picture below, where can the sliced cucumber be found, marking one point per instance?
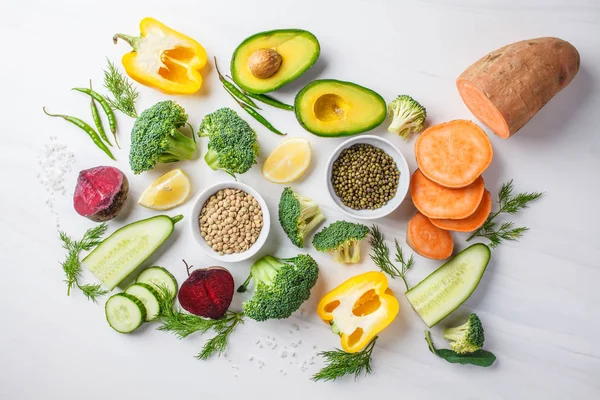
(123, 251)
(148, 296)
(124, 312)
(444, 290)
(157, 277)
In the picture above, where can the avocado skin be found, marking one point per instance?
(340, 133)
(314, 59)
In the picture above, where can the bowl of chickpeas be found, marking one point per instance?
(230, 221)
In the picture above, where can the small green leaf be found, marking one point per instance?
(480, 358)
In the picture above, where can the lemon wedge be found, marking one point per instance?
(166, 192)
(288, 161)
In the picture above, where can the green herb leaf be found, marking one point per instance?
(381, 256)
(123, 92)
(339, 363)
(72, 264)
(480, 358)
(508, 204)
(218, 343)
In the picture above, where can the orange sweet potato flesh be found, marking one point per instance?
(508, 86)
(453, 154)
(436, 201)
(472, 222)
(427, 239)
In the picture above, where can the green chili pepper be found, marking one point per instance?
(112, 121)
(232, 89)
(88, 129)
(97, 119)
(270, 101)
(254, 114)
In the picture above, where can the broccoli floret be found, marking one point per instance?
(407, 114)
(232, 145)
(155, 137)
(342, 239)
(466, 338)
(298, 215)
(281, 286)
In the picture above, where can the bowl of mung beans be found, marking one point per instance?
(367, 177)
(230, 221)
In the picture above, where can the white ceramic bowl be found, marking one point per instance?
(403, 182)
(195, 226)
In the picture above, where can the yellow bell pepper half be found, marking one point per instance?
(163, 58)
(359, 309)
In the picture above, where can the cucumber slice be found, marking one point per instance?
(444, 290)
(124, 312)
(148, 296)
(157, 277)
(123, 251)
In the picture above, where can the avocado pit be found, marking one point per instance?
(264, 63)
(330, 107)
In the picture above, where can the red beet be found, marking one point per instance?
(207, 292)
(100, 193)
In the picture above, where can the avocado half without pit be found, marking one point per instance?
(268, 60)
(330, 108)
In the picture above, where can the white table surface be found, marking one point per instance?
(538, 299)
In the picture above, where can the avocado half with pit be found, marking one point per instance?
(330, 108)
(268, 60)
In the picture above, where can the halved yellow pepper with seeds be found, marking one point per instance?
(359, 309)
(163, 58)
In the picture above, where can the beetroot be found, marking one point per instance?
(100, 193)
(207, 292)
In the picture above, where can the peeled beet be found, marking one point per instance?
(207, 292)
(100, 193)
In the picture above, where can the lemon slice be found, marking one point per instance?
(166, 192)
(288, 161)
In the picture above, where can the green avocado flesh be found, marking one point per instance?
(298, 49)
(332, 108)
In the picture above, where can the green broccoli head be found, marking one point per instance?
(342, 239)
(298, 215)
(155, 137)
(467, 337)
(232, 145)
(407, 114)
(281, 286)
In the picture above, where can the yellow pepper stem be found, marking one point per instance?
(133, 41)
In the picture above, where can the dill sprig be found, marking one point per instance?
(72, 264)
(183, 324)
(381, 256)
(123, 92)
(508, 204)
(339, 363)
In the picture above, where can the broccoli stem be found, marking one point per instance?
(180, 147)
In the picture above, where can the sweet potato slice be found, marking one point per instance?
(508, 86)
(437, 201)
(472, 222)
(453, 154)
(427, 239)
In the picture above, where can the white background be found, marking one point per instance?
(538, 299)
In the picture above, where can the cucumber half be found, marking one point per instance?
(148, 296)
(158, 277)
(124, 312)
(444, 290)
(123, 251)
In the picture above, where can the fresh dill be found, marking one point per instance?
(339, 363)
(381, 256)
(183, 324)
(508, 204)
(123, 92)
(72, 264)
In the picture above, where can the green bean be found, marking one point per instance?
(97, 119)
(112, 121)
(230, 87)
(88, 129)
(270, 101)
(254, 114)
